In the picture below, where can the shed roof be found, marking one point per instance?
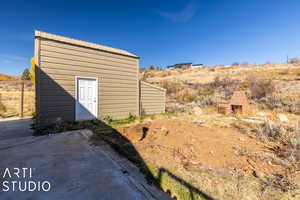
(82, 43)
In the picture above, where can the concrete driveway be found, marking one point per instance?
(70, 168)
(14, 127)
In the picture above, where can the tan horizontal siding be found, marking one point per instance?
(118, 101)
(113, 91)
(105, 94)
(115, 110)
(110, 84)
(117, 115)
(82, 62)
(98, 73)
(117, 92)
(117, 105)
(112, 87)
(55, 76)
(131, 97)
(152, 99)
(129, 84)
(57, 104)
(61, 63)
(85, 50)
(155, 104)
(99, 57)
(159, 92)
(147, 89)
(152, 109)
(55, 98)
(155, 109)
(98, 68)
(54, 108)
(151, 112)
(57, 113)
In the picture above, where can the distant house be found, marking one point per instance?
(181, 66)
(197, 66)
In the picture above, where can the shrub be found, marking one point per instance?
(286, 136)
(171, 87)
(235, 64)
(244, 85)
(226, 84)
(107, 119)
(294, 61)
(208, 100)
(284, 72)
(275, 102)
(261, 88)
(218, 82)
(191, 98)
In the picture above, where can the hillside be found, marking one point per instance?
(4, 77)
(269, 130)
(276, 83)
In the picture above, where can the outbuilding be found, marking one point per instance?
(78, 80)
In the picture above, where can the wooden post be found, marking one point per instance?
(22, 100)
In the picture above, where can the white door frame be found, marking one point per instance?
(76, 94)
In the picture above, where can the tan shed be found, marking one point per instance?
(78, 80)
(152, 99)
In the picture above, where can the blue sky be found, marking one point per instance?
(160, 32)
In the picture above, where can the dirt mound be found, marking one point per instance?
(177, 143)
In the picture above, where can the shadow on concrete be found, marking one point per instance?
(14, 128)
(59, 116)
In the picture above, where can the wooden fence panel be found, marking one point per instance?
(14, 102)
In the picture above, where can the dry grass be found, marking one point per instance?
(4, 77)
(269, 86)
(10, 102)
(10, 98)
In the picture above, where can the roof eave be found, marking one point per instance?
(49, 36)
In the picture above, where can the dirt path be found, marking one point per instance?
(181, 143)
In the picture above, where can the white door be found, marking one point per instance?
(86, 99)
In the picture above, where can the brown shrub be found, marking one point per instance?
(284, 72)
(286, 136)
(185, 95)
(225, 84)
(261, 88)
(275, 102)
(208, 100)
(171, 87)
(294, 61)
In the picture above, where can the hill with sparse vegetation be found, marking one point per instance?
(193, 95)
(4, 77)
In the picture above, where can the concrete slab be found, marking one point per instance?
(74, 169)
(14, 127)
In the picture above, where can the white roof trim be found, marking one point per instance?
(154, 86)
(82, 43)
